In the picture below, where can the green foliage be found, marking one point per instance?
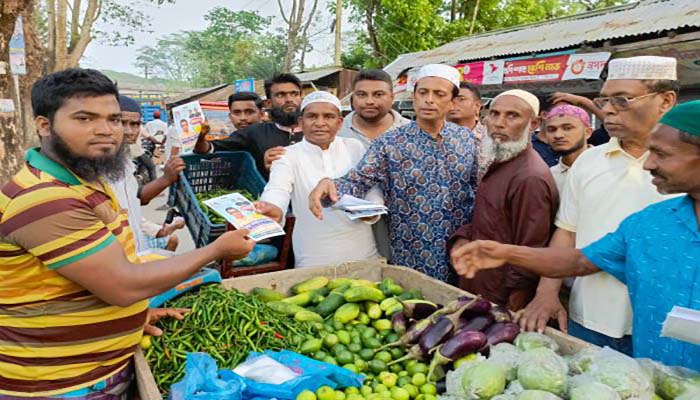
(235, 45)
(405, 26)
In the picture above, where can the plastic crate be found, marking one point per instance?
(206, 172)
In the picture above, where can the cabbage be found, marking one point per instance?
(514, 388)
(594, 390)
(581, 361)
(623, 374)
(542, 369)
(689, 395)
(506, 356)
(537, 395)
(504, 397)
(483, 380)
(533, 340)
(671, 382)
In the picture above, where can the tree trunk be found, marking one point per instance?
(372, 30)
(453, 10)
(476, 13)
(35, 69)
(61, 50)
(11, 138)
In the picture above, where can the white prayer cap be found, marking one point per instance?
(643, 67)
(440, 71)
(525, 96)
(320, 97)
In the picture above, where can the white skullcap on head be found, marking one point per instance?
(525, 96)
(643, 67)
(320, 97)
(440, 71)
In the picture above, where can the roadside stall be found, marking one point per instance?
(389, 329)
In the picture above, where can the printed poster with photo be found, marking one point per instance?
(240, 212)
(188, 120)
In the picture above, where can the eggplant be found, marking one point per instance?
(481, 307)
(479, 323)
(442, 328)
(399, 323)
(441, 386)
(501, 332)
(413, 353)
(418, 309)
(411, 336)
(460, 345)
(501, 314)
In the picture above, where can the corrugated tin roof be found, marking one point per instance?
(192, 93)
(316, 74)
(629, 20)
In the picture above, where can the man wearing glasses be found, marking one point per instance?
(265, 141)
(605, 185)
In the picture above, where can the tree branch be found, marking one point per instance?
(61, 35)
(311, 16)
(85, 33)
(75, 23)
(284, 17)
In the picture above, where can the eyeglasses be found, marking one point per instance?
(293, 94)
(619, 102)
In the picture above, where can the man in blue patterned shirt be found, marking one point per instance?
(655, 252)
(427, 171)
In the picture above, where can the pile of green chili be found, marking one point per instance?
(226, 324)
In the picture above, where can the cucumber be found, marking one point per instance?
(307, 316)
(332, 302)
(284, 308)
(301, 299)
(362, 282)
(339, 282)
(310, 285)
(363, 293)
(267, 295)
(346, 313)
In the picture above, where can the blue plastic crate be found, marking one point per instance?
(206, 172)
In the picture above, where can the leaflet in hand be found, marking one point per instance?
(240, 212)
(356, 208)
(682, 324)
(188, 120)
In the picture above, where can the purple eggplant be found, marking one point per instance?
(443, 328)
(460, 345)
(399, 323)
(501, 332)
(479, 323)
(418, 309)
(501, 314)
(411, 336)
(413, 353)
(480, 307)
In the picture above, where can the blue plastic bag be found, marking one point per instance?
(313, 375)
(261, 254)
(202, 381)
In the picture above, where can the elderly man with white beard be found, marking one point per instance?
(516, 202)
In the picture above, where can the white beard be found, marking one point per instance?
(502, 152)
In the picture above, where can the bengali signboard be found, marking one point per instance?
(530, 70)
(535, 69)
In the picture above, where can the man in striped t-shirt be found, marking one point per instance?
(73, 299)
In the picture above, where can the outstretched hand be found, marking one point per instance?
(156, 314)
(324, 190)
(470, 258)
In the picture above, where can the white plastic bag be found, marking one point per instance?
(264, 369)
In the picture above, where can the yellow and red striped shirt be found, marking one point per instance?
(55, 336)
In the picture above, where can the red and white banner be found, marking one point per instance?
(543, 69)
(535, 69)
(585, 66)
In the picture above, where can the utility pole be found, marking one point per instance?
(338, 19)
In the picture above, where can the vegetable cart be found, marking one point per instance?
(282, 281)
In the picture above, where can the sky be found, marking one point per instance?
(189, 15)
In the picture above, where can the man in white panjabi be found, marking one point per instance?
(335, 239)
